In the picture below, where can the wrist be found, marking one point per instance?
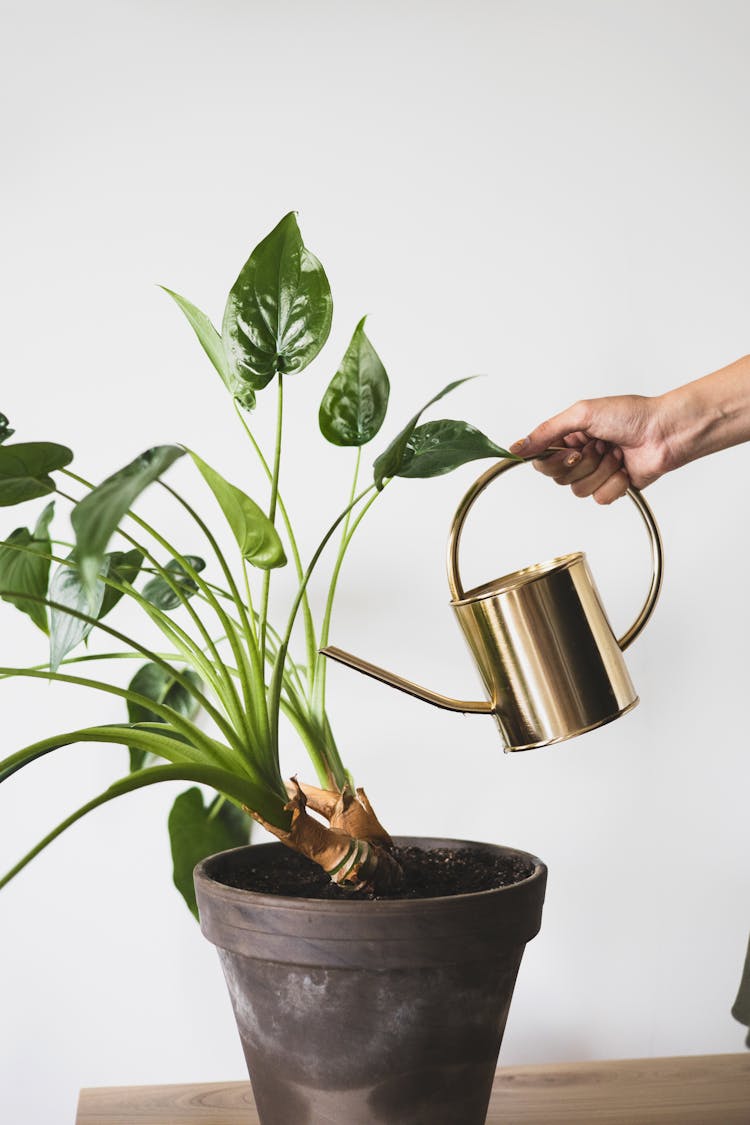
(704, 416)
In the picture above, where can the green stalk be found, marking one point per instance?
(272, 515)
(310, 640)
(244, 792)
(319, 700)
(177, 590)
(197, 738)
(254, 704)
(274, 689)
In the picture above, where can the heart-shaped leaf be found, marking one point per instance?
(66, 589)
(97, 516)
(356, 400)
(158, 591)
(25, 469)
(213, 346)
(258, 539)
(158, 685)
(5, 430)
(197, 831)
(25, 565)
(438, 447)
(391, 460)
(278, 313)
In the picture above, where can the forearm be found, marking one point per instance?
(707, 415)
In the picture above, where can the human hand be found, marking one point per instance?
(611, 443)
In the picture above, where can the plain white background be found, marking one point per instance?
(552, 194)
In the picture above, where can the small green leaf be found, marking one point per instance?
(197, 831)
(257, 537)
(5, 430)
(25, 566)
(355, 402)
(66, 588)
(124, 566)
(391, 460)
(158, 685)
(213, 346)
(158, 592)
(97, 516)
(278, 313)
(25, 469)
(438, 447)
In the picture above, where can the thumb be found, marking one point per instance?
(552, 431)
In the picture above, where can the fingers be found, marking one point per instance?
(569, 467)
(602, 468)
(552, 432)
(614, 488)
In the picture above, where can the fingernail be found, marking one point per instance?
(517, 446)
(573, 459)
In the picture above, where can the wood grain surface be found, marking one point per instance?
(695, 1090)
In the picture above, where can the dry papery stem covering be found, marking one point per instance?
(353, 849)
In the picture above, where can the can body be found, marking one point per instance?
(546, 652)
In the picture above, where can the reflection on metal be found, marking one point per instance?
(549, 661)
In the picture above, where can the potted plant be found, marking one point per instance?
(370, 976)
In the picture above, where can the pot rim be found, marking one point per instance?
(239, 895)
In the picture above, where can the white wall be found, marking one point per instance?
(555, 194)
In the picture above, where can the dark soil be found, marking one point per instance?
(427, 874)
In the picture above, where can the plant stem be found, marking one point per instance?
(310, 639)
(272, 514)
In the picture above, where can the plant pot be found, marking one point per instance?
(357, 1013)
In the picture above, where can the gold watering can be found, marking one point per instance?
(551, 665)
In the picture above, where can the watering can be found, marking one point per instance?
(550, 662)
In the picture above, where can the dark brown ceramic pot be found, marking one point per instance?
(370, 1013)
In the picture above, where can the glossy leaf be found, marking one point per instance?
(97, 516)
(355, 403)
(27, 571)
(25, 469)
(213, 346)
(258, 539)
(157, 684)
(197, 831)
(65, 630)
(278, 313)
(391, 461)
(5, 431)
(158, 591)
(124, 566)
(438, 447)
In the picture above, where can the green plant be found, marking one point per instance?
(222, 657)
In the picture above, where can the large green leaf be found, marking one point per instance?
(356, 400)
(25, 469)
(741, 1007)
(97, 516)
(5, 431)
(158, 685)
(25, 565)
(258, 539)
(197, 831)
(66, 589)
(125, 567)
(392, 459)
(278, 313)
(439, 447)
(158, 591)
(213, 346)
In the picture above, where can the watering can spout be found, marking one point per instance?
(476, 707)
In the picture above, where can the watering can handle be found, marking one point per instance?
(657, 550)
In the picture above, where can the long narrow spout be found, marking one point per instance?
(477, 707)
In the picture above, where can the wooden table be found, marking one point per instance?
(696, 1090)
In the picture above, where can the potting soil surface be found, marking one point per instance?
(427, 874)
